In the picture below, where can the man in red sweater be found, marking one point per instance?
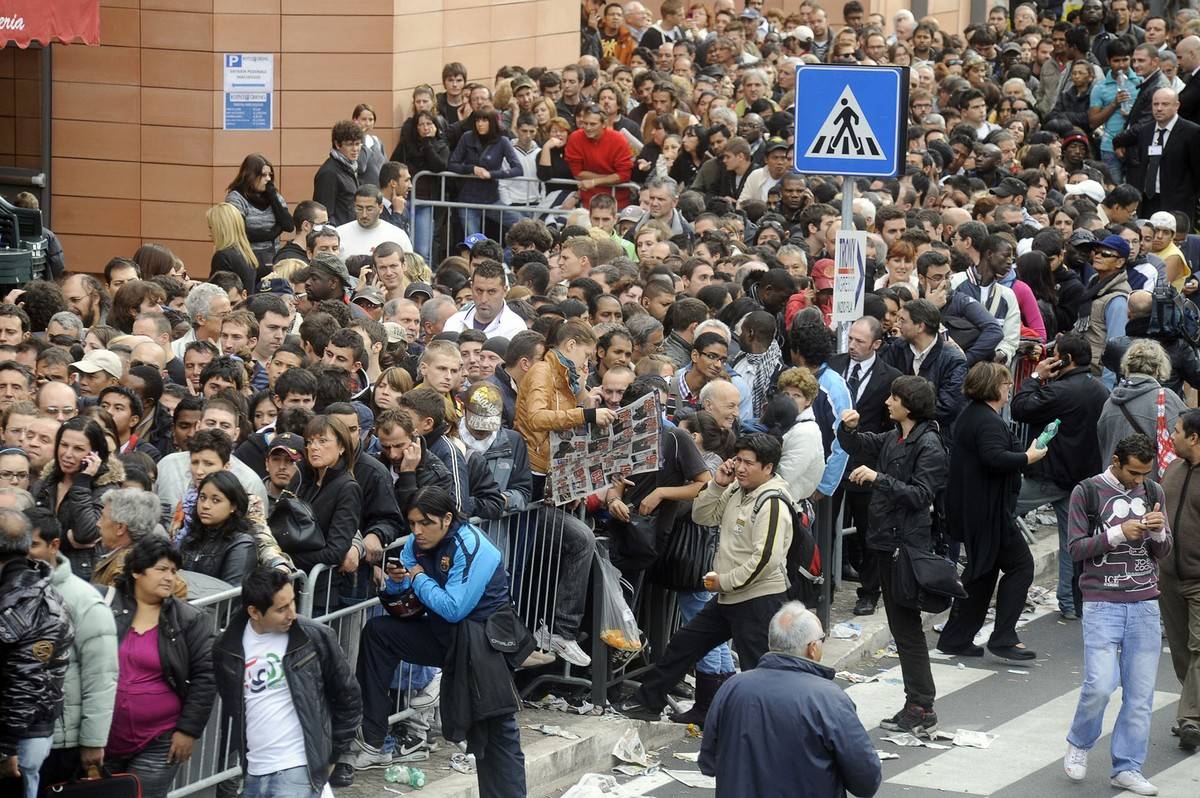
(598, 156)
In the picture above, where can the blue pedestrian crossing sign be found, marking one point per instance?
(851, 120)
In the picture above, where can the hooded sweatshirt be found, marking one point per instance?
(1138, 395)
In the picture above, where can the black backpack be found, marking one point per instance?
(939, 529)
(803, 557)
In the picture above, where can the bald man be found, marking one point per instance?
(1188, 54)
(1169, 146)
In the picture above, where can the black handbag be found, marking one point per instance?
(922, 580)
(636, 541)
(688, 556)
(294, 526)
(109, 785)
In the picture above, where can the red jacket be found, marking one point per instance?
(608, 154)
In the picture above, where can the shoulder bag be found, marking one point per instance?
(294, 526)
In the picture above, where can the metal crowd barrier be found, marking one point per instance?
(495, 219)
(530, 543)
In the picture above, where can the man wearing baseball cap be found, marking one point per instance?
(283, 454)
(1163, 245)
(766, 177)
(370, 299)
(498, 456)
(98, 370)
(1105, 301)
(327, 278)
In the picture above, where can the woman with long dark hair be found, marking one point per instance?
(165, 683)
(266, 213)
(155, 260)
(1033, 269)
(482, 152)
(220, 539)
(981, 498)
(327, 484)
(72, 484)
(692, 156)
(426, 151)
(912, 468)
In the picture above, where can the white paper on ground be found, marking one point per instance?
(594, 785)
(691, 778)
(685, 756)
(883, 755)
(554, 731)
(631, 749)
(972, 739)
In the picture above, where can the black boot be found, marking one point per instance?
(707, 685)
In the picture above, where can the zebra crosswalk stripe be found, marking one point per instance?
(1023, 746)
(875, 701)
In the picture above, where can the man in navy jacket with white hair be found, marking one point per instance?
(805, 731)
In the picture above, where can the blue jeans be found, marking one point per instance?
(1132, 627)
(718, 660)
(150, 766)
(1116, 169)
(31, 753)
(290, 783)
(422, 238)
(1035, 493)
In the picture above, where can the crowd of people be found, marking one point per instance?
(363, 373)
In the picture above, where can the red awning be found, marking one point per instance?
(44, 21)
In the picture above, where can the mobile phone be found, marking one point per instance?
(393, 560)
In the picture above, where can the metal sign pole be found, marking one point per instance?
(852, 123)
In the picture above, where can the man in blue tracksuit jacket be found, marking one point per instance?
(458, 577)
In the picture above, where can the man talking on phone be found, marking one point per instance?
(1063, 388)
(1118, 533)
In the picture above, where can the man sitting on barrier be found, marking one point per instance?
(540, 539)
(450, 582)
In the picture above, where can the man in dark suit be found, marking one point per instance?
(919, 350)
(1170, 147)
(1188, 53)
(869, 381)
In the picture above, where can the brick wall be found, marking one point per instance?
(138, 150)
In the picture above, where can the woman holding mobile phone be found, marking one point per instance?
(71, 486)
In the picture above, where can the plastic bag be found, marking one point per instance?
(619, 627)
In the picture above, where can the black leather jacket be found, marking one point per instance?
(910, 473)
(324, 692)
(185, 641)
(35, 641)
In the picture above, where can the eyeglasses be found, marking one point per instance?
(1106, 254)
(13, 476)
(715, 358)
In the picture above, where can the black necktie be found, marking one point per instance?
(1152, 169)
(854, 381)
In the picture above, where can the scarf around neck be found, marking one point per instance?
(765, 365)
(337, 155)
(572, 372)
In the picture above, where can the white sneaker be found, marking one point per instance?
(570, 651)
(362, 756)
(1134, 782)
(1075, 763)
(428, 695)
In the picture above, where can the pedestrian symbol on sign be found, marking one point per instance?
(846, 133)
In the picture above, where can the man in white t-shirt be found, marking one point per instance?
(368, 231)
(275, 668)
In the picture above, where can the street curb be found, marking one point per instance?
(841, 654)
(553, 762)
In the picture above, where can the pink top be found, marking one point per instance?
(1031, 315)
(146, 706)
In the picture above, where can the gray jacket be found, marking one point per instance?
(262, 224)
(1138, 395)
(90, 686)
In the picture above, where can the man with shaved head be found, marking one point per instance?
(1169, 146)
(1188, 54)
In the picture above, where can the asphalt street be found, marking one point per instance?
(1029, 709)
